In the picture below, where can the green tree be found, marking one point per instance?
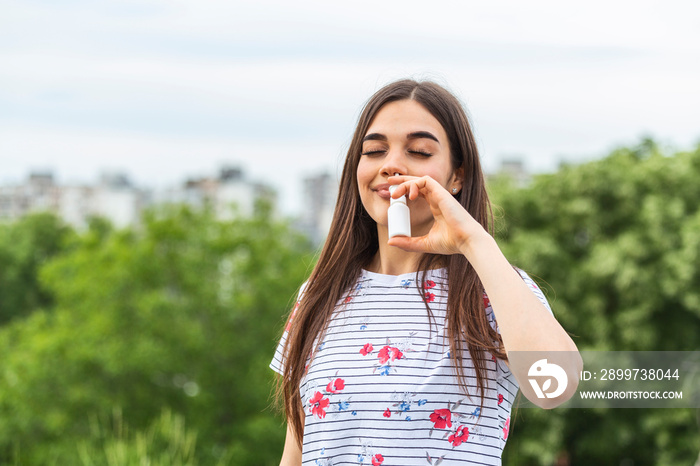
(617, 242)
(25, 245)
(183, 314)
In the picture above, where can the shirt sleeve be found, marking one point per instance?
(535, 289)
(530, 284)
(277, 363)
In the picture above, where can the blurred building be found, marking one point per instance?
(514, 168)
(38, 193)
(318, 204)
(115, 198)
(229, 193)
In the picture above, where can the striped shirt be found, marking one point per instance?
(382, 389)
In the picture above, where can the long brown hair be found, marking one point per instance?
(352, 243)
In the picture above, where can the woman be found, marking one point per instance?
(396, 352)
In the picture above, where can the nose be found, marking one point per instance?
(394, 162)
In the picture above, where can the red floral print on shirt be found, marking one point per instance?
(348, 299)
(428, 284)
(368, 348)
(459, 437)
(441, 418)
(487, 302)
(429, 297)
(318, 405)
(387, 413)
(506, 429)
(500, 398)
(383, 355)
(335, 385)
(389, 352)
(377, 460)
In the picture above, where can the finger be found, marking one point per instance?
(407, 189)
(426, 187)
(413, 191)
(408, 185)
(422, 185)
(417, 244)
(427, 184)
(398, 179)
(402, 188)
(413, 186)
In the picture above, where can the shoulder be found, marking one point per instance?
(302, 290)
(537, 291)
(532, 285)
(300, 294)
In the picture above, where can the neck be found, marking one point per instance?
(390, 260)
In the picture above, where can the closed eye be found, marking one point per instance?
(373, 152)
(413, 151)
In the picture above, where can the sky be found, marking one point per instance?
(168, 90)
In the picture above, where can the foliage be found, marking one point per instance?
(182, 314)
(24, 247)
(618, 242)
(166, 442)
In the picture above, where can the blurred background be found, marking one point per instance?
(168, 171)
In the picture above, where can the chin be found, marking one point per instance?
(381, 221)
(379, 215)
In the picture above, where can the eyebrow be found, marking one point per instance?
(413, 135)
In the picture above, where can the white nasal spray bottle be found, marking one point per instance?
(399, 216)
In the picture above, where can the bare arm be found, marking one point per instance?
(292, 451)
(526, 325)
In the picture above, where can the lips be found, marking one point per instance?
(382, 190)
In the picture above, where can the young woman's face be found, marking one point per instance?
(403, 138)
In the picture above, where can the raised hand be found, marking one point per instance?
(453, 227)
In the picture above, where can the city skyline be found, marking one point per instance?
(114, 197)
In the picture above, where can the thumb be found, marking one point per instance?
(417, 244)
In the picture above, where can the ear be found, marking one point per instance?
(457, 180)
